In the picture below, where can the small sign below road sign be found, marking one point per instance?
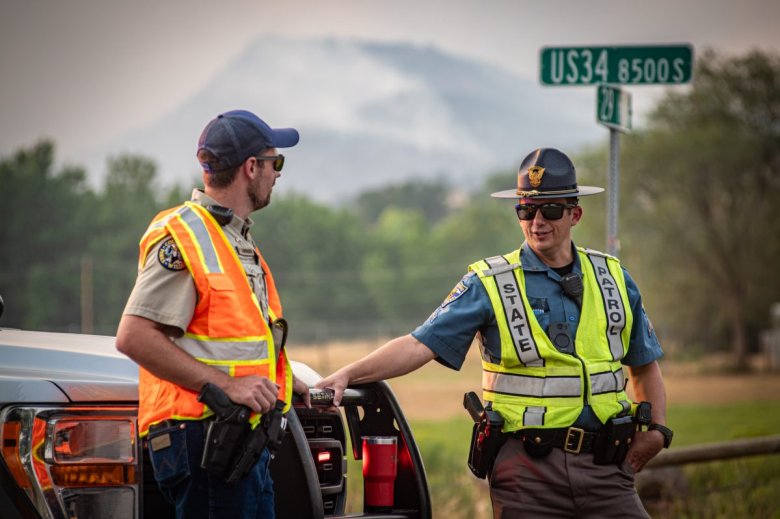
(613, 108)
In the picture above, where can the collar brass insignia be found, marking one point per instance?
(535, 174)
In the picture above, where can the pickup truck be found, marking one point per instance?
(70, 448)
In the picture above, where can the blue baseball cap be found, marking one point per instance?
(233, 137)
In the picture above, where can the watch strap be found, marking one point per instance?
(667, 433)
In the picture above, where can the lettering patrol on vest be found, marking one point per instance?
(613, 303)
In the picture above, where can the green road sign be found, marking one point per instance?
(631, 65)
(613, 108)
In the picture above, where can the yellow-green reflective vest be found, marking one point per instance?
(534, 384)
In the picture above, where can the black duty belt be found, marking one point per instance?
(571, 439)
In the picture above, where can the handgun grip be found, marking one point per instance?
(473, 405)
(220, 403)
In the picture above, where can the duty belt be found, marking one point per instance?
(571, 439)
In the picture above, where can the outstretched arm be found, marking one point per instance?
(397, 357)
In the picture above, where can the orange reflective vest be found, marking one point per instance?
(227, 330)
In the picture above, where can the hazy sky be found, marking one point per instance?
(84, 72)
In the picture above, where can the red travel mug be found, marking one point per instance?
(380, 459)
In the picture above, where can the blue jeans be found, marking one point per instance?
(197, 493)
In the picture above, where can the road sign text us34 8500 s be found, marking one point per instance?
(629, 65)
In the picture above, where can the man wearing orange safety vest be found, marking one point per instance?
(205, 309)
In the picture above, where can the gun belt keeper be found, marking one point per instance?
(570, 439)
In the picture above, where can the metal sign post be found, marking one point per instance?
(613, 186)
(613, 110)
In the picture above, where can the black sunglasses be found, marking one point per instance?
(278, 160)
(549, 211)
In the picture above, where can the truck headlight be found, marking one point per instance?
(74, 462)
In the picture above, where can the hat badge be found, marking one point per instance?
(535, 174)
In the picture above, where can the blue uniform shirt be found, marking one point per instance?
(467, 311)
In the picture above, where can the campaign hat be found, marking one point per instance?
(547, 173)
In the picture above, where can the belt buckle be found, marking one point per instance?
(578, 441)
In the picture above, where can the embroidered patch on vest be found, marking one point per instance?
(169, 256)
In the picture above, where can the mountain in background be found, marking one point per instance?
(370, 114)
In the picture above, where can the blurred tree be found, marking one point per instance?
(700, 198)
(315, 253)
(484, 227)
(127, 204)
(58, 233)
(43, 213)
(427, 196)
(400, 270)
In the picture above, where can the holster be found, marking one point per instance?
(268, 434)
(486, 441)
(232, 446)
(224, 441)
(613, 441)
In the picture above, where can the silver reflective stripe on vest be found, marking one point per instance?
(534, 416)
(194, 221)
(501, 268)
(224, 350)
(538, 387)
(514, 312)
(222, 367)
(608, 382)
(613, 304)
(162, 222)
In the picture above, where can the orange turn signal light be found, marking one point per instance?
(10, 451)
(93, 475)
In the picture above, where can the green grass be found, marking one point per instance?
(745, 487)
(742, 487)
(704, 424)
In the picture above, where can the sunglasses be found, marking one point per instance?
(549, 211)
(278, 160)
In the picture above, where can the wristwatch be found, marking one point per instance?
(663, 430)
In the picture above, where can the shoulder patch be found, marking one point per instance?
(648, 323)
(455, 293)
(169, 255)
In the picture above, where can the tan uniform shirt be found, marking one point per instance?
(169, 296)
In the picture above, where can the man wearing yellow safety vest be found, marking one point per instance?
(556, 324)
(205, 310)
